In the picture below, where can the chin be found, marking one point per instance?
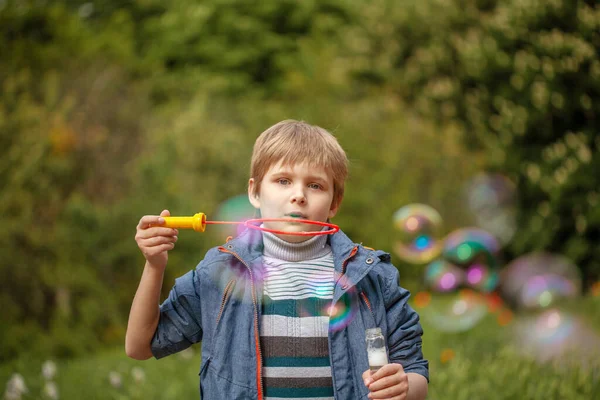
(293, 238)
(291, 227)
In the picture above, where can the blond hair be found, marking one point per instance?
(294, 142)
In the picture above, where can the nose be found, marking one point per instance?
(298, 197)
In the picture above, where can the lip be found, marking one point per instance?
(298, 215)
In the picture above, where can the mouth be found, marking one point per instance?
(298, 215)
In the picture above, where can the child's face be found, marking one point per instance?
(296, 191)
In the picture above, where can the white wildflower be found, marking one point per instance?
(138, 374)
(49, 369)
(15, 387)
(115, 379)
(51, 390)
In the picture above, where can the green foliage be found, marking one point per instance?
(519, 79)
(110, 111)
(65, 140)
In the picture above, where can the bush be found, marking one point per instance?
(519, 79)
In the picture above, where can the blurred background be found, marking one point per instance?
(472, 130)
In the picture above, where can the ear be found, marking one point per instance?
(253, 197)
(335, 205)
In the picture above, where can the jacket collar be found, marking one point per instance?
(249, 246)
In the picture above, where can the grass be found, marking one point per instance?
(479, 363)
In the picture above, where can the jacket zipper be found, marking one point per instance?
(256, 332)
(365, 300)
(344, 263)
(226, 294)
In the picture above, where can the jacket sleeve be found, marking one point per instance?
(179, 325)
(404, 329)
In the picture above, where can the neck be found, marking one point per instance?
(312, 248)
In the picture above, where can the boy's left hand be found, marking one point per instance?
(390, 382)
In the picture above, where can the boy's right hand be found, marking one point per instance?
(155, 240)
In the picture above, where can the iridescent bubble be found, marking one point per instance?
(343, 312)
(476, 252)
(455, 312)
(556, 335)
(482, 277)
(418, 230)
(442, 276)
(492, 200)
(233, 282)
(237, 209)
(540, 280)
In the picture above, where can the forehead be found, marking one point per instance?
(304, 169)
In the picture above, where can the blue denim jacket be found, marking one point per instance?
(219, 303)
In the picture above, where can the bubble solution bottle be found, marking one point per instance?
(376, 349)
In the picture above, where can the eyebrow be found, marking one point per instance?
(322, 178)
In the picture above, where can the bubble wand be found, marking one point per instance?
(198, 223)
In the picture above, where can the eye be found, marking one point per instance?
(315, 186)
(283, 181)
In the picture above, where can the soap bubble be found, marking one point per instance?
(236, 208)
(343, 312)
(418, 232)
(482, 277)
(340, 315)
(455, 312)
(554, 334)
(540, 280)
(442, 276)
(492, 200)
(476, 252)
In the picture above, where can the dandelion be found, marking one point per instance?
(115, 379)
(49, 369)
(138, 374)
(15, 387)
(51, 390)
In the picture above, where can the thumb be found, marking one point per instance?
(366, 376)
(165, 213)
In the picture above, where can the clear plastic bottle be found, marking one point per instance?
(376, 349)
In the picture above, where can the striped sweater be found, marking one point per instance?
(298, 289)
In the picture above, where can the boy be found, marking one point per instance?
(283, 316)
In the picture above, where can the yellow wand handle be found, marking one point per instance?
(197, 222)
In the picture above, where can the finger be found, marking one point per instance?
(165, 213)
(387, 369)
(388, 392)
(148, 221)
(157, 241)
(155, 231)
(366, 376)
(400, 397)
(386, 382)
(152, 251)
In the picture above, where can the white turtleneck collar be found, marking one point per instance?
(310, 249)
